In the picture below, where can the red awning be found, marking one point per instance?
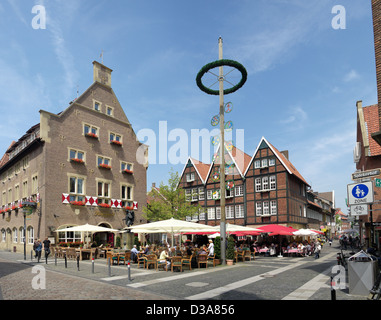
(276, 229)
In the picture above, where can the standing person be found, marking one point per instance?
(34, 247)
(211, 248)
(317, 249)
(46, 247)
(38, 249)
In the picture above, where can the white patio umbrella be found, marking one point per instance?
(169, 226)
(304, 232)
(236, 228)
(88, 228)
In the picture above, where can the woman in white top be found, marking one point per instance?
(211, 248)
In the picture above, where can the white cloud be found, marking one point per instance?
(351, 75)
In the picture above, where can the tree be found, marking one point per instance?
(168, 201)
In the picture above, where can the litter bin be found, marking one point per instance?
(362, 273)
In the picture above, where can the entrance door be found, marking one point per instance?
(110, 239)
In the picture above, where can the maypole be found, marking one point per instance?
(221, 78)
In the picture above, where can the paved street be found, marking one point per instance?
(266, 278)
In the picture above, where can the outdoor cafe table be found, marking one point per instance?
(81, 251)
(295, 251)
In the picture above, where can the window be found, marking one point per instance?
(125, 166)
(201, 193)
(76, 188)
(90, 130)
(104, 192)
(257, 164)
(229, 212)
(238, 190)
(30, 232)
(190, 177)
(110, 111)
(218, 213)
(216, 194)
(115, 138)
(265, 183)
(239, 211)
(229, 193)
(258, 184)
(264, 163)
(266, 208)
(22, 235)
(15, 235)
(209, 194)
(272, 182)
(75, 155)
(201, 215)
(272, 162)
(126, 193)
(104, 162)
(273, 207)
(3, 235)
(188, 194)
(17, 192)
(97, 106)
(211, 214)
(69, 236)
(194, 194)
(34, 184)
(25, 189)
(258, 208)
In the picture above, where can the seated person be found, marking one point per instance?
(164, 257)
(134, 253)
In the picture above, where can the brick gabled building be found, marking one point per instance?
(261, 189)
(83, 165)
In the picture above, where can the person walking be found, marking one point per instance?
(46, 247)
(38, 249)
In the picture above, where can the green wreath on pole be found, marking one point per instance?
(221, 63)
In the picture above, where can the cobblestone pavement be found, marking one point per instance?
(266, 278)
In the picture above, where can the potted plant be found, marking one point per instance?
(217, 250)
(230, 251)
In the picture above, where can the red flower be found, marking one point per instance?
(104, 166)
(77, 160)
(104, 205)
(77, 203)
(128, 171)
(116, 142)
(91, 135)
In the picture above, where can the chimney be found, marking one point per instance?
(102, 74)
(285, 153)
(153, 185)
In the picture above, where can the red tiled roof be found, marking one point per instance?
(288, 164)
(202, 168)
(5, 157)
(371, 119)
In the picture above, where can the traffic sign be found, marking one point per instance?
(359, 210)
(377, 183)
(360, 193)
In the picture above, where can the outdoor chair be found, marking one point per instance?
(142, 260)
(247, 255)
(176, 263)
(240, 255)
(187, 261)
(151, 260)
(202, 259)
(212, 259)
(162, 263)
(111, 258)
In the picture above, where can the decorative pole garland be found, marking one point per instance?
(224, 108)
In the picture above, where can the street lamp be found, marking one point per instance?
(221, 79)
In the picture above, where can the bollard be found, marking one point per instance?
(333, 291)
(31, 255)
(78, 263)
(92, 265)
(55, 258)
(65, 261)
(129, 271)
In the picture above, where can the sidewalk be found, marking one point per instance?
(16, 281)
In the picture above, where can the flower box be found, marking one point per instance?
(77, 203)
(14, 208)
(105, 166)
(117, 143)
(77, 160)
(104, 205)
(91, 135)
(128, 171)
(129, 208)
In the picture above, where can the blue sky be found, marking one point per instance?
(304, 76)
